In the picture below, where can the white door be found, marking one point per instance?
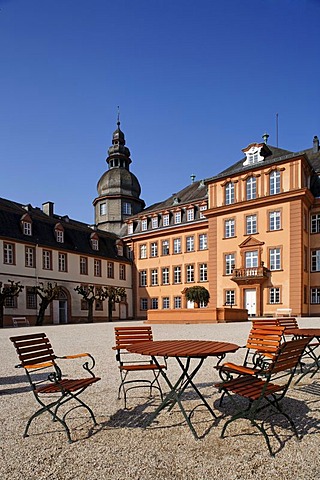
(250, 299)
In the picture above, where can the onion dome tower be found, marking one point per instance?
(118, 189)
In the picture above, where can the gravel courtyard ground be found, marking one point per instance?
(120, 448)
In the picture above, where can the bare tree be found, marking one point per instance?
(47, 293)
(8, 291)
(114, 295)
(91, 294)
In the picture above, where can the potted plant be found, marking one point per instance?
(197, 295)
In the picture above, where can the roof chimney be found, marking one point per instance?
(47, 208)
(315, 144)
(265, 137)
(192, 178)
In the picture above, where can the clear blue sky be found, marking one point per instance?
(196, 81)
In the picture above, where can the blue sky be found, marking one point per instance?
(196, 81)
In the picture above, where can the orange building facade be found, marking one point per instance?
(250, 235)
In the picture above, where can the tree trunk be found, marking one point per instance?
(1, 315)
(90, 312)
(110, 305)
(42, 309)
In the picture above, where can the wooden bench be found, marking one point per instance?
(20, 322)
(283, 312)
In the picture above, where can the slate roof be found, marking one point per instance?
(76, 234)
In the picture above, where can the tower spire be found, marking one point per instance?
(118, 117)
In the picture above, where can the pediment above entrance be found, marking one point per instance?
(251, 242)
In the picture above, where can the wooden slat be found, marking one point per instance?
(183, 348)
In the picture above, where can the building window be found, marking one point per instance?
(154, 222)
(315, 295)
(154, 304)
(251, 224)
(177, 217)
(97, 268)
(154, 277)
(11, 302)
(144, 224)
(177, 274)
(202, 209)
(94, 243)
(143, 304)
(166, 303)
(177, 245)
(143, 278)
(177, 302)
(229, 263)
(274, 220)
(83, 266)
(122, 271)
(230, 298)
(229, 193)
(165, 220)
(274, 182)
(190, 244)
(30, 257)
(251, 259)
(315, 223)
(98, 305)
(126, 208)
(190, 273)
(31, 298)
(103, 208)
(274, 295)
(165, 247)
(229, 228)
(203, 272)
(203, 242)
(130, 228)
(165, 276)
(27, 228)
(154, 249)
(9, 253)
(62, 262)
(143, 251)
(190, 214)
(110, 270)
(315, 261)
(46, 259)
(251, 188)
(60, 236)
(275, 258)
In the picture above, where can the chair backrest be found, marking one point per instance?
(125, 336)
(265, 322)
(33, 350)
(289, 355)
(265, 339)
(288, 322)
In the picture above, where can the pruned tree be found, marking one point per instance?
(8, 291)
(91, 294)
(198, 295)
(47, 293)
(114, 295)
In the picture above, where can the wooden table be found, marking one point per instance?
(183, 351)
(310, 349)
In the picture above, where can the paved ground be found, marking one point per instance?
(120, 448)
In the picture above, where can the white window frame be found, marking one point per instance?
(315, 223)
(251, 259)
(251, 224)
(229, 193)
(143, 278)
(177, 245)
(144, 225)
(27, 228)
(275, 220)
(166, 220)
(62, 262)
(315, 295)
(154, 249)
(165, 276)
(154, 277)
(190, 243)
(143, 304)
(203, 241)
(274, 182)
(143, 251)
(275, 259)
(189, 273)
(203, 272)
(177, 303)
(166, 303)
(251, 188)
(154, 222)
(274, 295)
(177, 274)
(229, 228)
(315, 261)
(230, 297)
(229, 259)
(30, 257)
(165, 247)
(177, 217)
(103, 208)
(190, 214)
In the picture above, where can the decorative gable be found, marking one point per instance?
(251, 242)
(255, 153)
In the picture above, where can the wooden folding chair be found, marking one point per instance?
(262, 346)
(264, 393)
(130, 363)
(50, 389)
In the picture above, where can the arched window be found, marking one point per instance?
(26, 224)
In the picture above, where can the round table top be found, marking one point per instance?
(183, 348)
(303, 332)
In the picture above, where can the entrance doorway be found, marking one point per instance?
(60, 309)
(250, 301)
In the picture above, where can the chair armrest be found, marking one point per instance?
(85, 365)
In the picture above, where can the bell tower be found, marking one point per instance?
(118, 189)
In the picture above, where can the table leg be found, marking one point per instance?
(176, 391)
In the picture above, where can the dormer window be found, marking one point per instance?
(119, 247)
(130, 228)
(26, 224)
(190, 214)
(202, 209)
(154, 222)
(177, 217)
(165, 219)
(94, 240)
(126, 208)
(144, 224)
(255, 153)
(59, 233)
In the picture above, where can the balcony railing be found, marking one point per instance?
(253, 274)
